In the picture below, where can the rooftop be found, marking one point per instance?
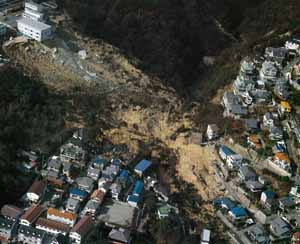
(83, 226)
(143, 165)
(65, 215)
(34, 24)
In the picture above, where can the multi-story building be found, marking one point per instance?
(80, 231)
(62, 217)
(52, 227)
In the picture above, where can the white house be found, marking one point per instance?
(234, 161)
(33, 11)
(34, 29)
(281, 161)
(268, 71)
(212, 131)
(36, 191)
(268, 120)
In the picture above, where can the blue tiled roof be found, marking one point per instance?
(143, 165)
(99, 161)
(224, 202)
(226, 150)
(124, 174)
(270, 194)
(133, 198)
(116, 161)
(239, 212)
(78, 192)
(138, 188)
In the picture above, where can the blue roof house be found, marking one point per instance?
(99, 162)
(142, 167)
(78, 194)
(224, 152)
(224, 203)
(123, 177)
(133, 200)
(138, 188)
(238, 213)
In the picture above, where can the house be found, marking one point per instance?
(281, 161)
(104, 184)
(93, 173)
(225, 152)
(268, 120)
(110, 172)
(293, 45)
(66, 168)
(52, 227)
(91, 208)
(116, 161)
(234, 161)
(98, 196)
(281, 91)
(8, 230)
(3, 30)
(11, 212)
(72, 205)
(133, 200)
(80, 231)
(72, 152)
(62, 217)
(85, 184)
(261, 84)
(99, 163)
(261, 96)
(258, 234)
(33, 11)
(233, 107)
(285, 107)
(119, 236)
(254, 186)
(224, 202)
(29, 235)
(251, 125)
(279, 147)
(212, 132)
(254, 142)
(267, 195)
(268, 72)
(246, 173)
(296, 238)
(277, 55)
(247, 67)
(138, 188)
(205, 236)
(165, 209)
(275, 133)
(56, 239)
(238, 214)
(54, 164)
(243, 83)
(141, 168)
(123, 178)
(115, 190)
(80, 195)
(31, 215)
(36, 191)
(295, 191)
(280, 229)
(286, 203)
(34, 29)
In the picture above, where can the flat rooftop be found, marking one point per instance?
(116, 213)
(34, 24)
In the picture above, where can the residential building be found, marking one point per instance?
(141, 168)
(82, 228)
(238, 214)
(165, 209)
(225, 152)
(268, 120)
(34, 29)
(205, 236)
(138, 188)
(281, 90)
(72, 152)
(277, 55)
(8, 230)
(212, 132)
(243, 83)
(247, 67)
(99, 163)
(224, 203)
(78, 194)
(286, 203)
(246, 173)
(285, 107)
(3, 30)
(293, 45)
(67, 166)
(85, 184)
(72, 205)
(93, 173)
(30, 235)
(33, 11)
(251, 125)
(254, 186)
(36, 191)
(115, 190)
(275, 133)
(281, 161)
(104, 184)
(267, 195)
(233, 107)
(52, 227)
(119, 236)
(268, 72)
(54, 164)
(11, 212)
(123, 178)
(110, 172)
(91, 208)
(62, 217)
(254, 142)
(234, 161)
(98, 196)
(31, 215)
(261, 96)
(296, 238)
(280, 229)
(258, 234)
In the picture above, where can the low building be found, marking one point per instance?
(165, 210)
(123, 178)
(80, 231)
(267, 196)
(66, 168)
(85, 184)
(251, 125)
(29, 235)
(3, 30)
(8, 230)
(36, 191)
(275, 134)
(246, 173)
(99, 163)
(258, 234)
(280, 230)
(33, 11)
(52, 227)
(285, 107)
(11, 212)
(268, 72)
(205, 236)
(93, 173)
(296, 238)
(233, 106)
(225, 152)
(254, 142)
(281, 161)
(133, 200)
(62, 217)
(238, 214)
(72, 152)
(31, 215)
(54, 164)
(98, 196)
(286, 203)
(234, 161)
(110, 172)
(268, 120)
(34, 29)
(78, 194)
(276, 54)
(293, 45)
(212, 132)
(141, 168)
(72, 205)
(91, 208)
(224, 203)
(254, 186)
(115, 190)
(119, 236)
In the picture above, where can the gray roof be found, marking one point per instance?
(73, 202)
(34, 24)
(279, 227)
(238, 109)
(7, 224)
(93, 171)
(85, 182)
(259, 233)
(121, 234)
(254, 184)
(251, 123)
(92, 205)
(247, 172)
(286, 202)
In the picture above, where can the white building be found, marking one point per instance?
(33, 11)
(34, 29)
(212, 131)
(268, 71)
